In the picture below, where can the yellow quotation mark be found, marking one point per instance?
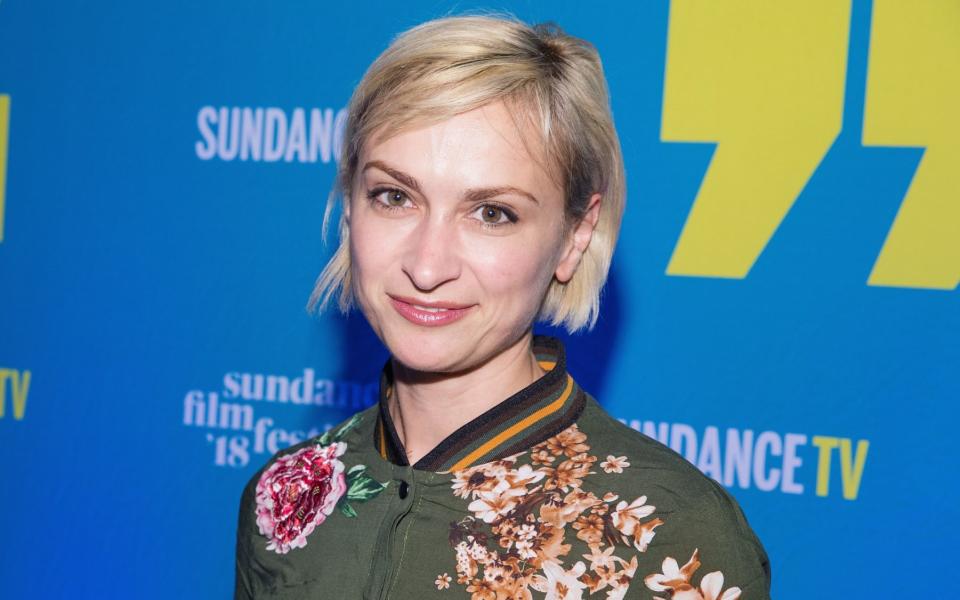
(765, 82)
(4, 130)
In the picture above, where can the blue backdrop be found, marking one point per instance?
(782, 308)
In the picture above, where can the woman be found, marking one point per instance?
(483, 189)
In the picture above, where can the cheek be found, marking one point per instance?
(369, 261)
(520, 270)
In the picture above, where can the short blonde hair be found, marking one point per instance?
(552, 80)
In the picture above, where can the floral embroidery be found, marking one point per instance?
(442, 582)
(626, 519)
(615, 464)
(297, 493)
(560, 583)
(675, 580)
(515, 540)
(300, 490)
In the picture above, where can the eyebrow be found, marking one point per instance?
(471, 195)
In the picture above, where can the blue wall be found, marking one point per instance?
(145, 270)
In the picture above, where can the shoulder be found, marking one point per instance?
(353, 426)
(264, 534)
(648, 462)
(691, 520)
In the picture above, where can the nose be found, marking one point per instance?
(431, 258)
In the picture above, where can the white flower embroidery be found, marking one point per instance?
(561, 584)
(614, 464)
(676, 581)
(442, 582)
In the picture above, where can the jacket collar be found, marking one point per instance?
(539, 411)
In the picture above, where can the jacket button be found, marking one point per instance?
(404, 489)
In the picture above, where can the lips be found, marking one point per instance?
(429, 314)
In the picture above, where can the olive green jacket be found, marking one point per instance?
(545, 496)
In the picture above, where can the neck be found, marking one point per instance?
(427, 407)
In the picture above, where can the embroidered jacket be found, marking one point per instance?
(545, 496)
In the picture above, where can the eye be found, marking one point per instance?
(494, 215)
(389, 198)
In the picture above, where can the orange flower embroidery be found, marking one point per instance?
(515, 539)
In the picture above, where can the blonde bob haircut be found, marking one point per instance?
(548, 79)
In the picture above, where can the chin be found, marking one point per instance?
(430, 350)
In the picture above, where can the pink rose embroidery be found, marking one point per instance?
(297, 493)
(300, 490)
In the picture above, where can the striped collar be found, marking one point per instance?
(539, 411)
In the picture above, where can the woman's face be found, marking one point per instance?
(455, 234)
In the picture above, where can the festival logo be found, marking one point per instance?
(257, 414)
(270, 134)
(768, 461)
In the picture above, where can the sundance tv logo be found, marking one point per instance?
(270, 134)
(15, 385)
(768, 461)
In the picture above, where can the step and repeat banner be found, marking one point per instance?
(782, 308)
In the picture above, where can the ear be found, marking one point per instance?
(579, 240)
(345, 203)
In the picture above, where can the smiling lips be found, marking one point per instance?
(429, 314)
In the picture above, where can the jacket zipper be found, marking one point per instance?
(385, 558)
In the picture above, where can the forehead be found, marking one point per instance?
(485, 146)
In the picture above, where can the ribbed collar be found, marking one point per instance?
(539, 411)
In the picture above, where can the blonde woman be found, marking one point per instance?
(482, 187)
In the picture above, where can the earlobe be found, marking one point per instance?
(579, 241)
